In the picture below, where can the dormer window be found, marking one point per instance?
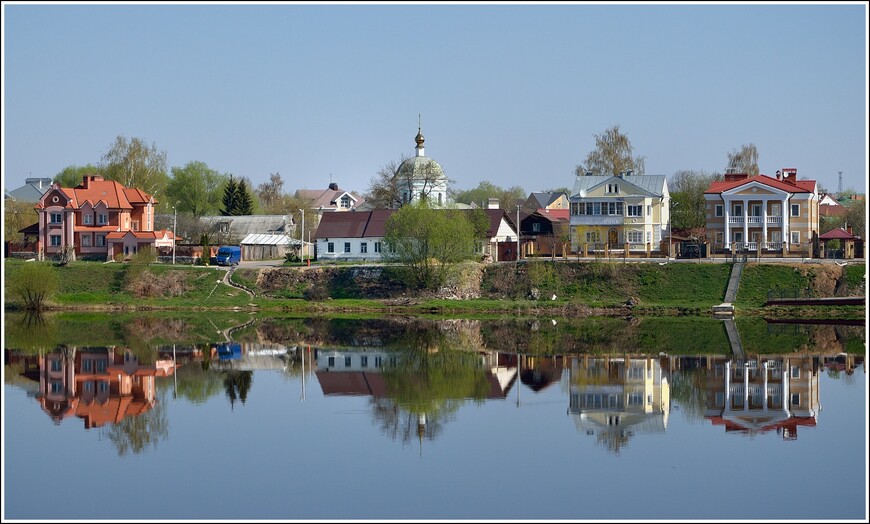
(345, 201)
(103, 218)
(224, 227)
(612, 188)
(55, 218)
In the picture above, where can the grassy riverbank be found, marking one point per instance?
(529, 288)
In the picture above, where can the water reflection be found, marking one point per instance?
(418, 374)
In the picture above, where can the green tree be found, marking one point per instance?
(428, 242)
(33, 283)
(17, 215)
(480, 195)
(743, 160)
(196, 188)
(137, 432)
(134, 163)
(687, 192)
(237, 200)
(612, 155)
(71, 176)
(856, 217)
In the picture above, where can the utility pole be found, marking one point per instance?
(174, 228)
(518, 233)
(302, 233)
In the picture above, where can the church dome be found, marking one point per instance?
(421, 167)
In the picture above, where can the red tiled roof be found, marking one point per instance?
(799, 186)
(110, 192)
(144, 235)
(838, 233)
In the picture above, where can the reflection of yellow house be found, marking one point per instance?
(615, 398)
(98, 385)
(619, 212)
(755, 396)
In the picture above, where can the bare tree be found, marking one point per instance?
(270, 194)
(134, 163)
(612, 155)
(385, 187)
(744, 160)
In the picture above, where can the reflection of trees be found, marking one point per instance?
(31, 331)
(135, 433)
(237, 384)
(614, 441)
(427, 386)
(689, 389)
(195, 383)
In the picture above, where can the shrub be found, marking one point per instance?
(34, 283)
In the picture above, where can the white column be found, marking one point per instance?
(727, 224)
(786, 213)
(728, 385)
(745, 386)
(764, 205)
(745, 221)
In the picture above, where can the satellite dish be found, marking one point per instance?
(582, 193)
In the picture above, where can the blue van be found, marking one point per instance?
(228, 256)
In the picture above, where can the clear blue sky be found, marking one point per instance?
(512, 93)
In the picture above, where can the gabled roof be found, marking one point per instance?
(327, 198)
(140, 235)
(553, 215)
(799, 186)
(544, 199)
(839, 233)
(266, 240)
(243, 225)
(94, 190)
(651, 184)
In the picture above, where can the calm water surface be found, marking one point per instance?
(357, 422)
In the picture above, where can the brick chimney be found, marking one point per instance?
(849, 229)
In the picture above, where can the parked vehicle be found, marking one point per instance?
(228, 256)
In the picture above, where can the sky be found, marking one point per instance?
(511, 93)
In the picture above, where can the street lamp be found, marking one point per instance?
(670, 228)
(302, 232)
(518, 233)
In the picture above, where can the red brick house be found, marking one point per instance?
(99, 218)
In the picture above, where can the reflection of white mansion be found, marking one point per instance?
(761, 395)
(358, 372)
(616, 398)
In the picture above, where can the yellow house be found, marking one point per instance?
(612, 212)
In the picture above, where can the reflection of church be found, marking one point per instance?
(616, 398)
(98, 385)
(765, 394)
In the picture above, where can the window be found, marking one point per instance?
(364, 361)
(634, 211)
(330, 362)
(89, 386)
(102, 218)
(649, 211)
(738, 209)
(135, 225)
(635, 237)
(795, 399)
(224, 227)
(87, 219)
(330, 247)
(55, 240)
(593, 236)
(86, 240)
(56, 364)
(87, 364)
(378, 362)
(596, 207)
(738, 236)
(347, 362)
(101, 240)
(101, 365)
(347, 247)
(795, 210)
(55, 218)
(363, 247)
(612, 188)
(795, 372)
(795, 237)
(719, 210)
(648, 236)
(719, 238)
(536, 227)
(104, 386)
(377, 247)
(345, 201)
(56, 386)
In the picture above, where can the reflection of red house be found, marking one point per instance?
(98, 385)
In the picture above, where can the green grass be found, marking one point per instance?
(757, 280)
